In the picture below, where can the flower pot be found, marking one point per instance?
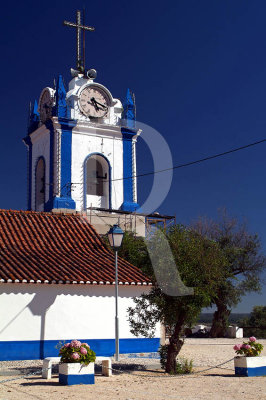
(76, 373)
(250, 366)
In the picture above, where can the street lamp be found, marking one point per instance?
(115, 237)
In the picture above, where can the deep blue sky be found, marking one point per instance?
(198, 70)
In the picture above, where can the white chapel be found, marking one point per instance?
(56, 274)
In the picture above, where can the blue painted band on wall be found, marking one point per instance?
(257, 371)
(76, 379)
(39, 349)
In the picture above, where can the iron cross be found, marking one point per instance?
(79, 28)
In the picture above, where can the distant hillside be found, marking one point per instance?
(206, 318)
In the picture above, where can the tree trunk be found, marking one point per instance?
(174, 347)
(220, 320)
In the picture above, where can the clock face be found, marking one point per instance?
(94, 102)
(45, 105)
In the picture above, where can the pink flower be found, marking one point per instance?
(75, 343)
(252, 339)
(83, 350)
(237, 347)
(245, 346)
(85, 344)
(63, 347)
(75, 356)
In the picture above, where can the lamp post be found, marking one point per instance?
(115, 237)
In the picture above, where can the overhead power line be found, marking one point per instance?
(192, 162)
(180, 165)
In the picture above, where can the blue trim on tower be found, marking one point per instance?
(60, 202)
(129, 110)
(66, 160)
(34, 118)
(85, 179)
(38, 349)
(28, 143)
(128, 203)
(65, 200)
(61, 109)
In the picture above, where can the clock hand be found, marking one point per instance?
(94, 103)
(102, 108)
(100, 104)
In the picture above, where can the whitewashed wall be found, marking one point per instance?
(58, 312)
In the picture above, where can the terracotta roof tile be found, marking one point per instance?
(58, 248)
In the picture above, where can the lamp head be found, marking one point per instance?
(115, 236)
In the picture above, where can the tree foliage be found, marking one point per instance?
(242, 273)
(256, 321)
(134, 250)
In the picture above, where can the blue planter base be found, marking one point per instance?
(250, 366)
(76, 374)
(259, 371)
(76, 379)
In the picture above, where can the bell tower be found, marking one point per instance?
(81, 144)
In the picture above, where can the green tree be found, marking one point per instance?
(198, 261)
(256, 321)
(134, 250)
(242, 273)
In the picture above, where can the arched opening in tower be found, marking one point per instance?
(97, 182)
(40, 185)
